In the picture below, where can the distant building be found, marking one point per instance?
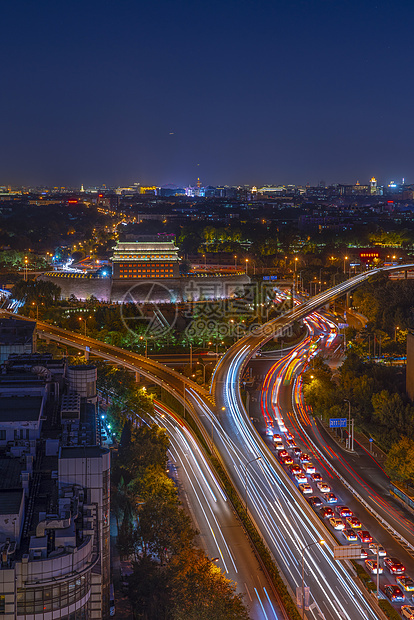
(148, 257)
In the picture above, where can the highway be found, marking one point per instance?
(282, 407)
(286, 521)
(282, 515)
(284, 518)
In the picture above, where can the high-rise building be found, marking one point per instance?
(54, 494)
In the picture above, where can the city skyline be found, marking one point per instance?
(388, 182)
(231, 93)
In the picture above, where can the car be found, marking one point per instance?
(295, 469)
(364, 536)
(350, 535)
(326, 512)
(373, 568)
(353, 522)
(315, 501)
(316, 477)
(282, 454)
(323, 487)
(301, 478)
(331, 498)
(406, 583)
(337, 524)
(305, 488)
(407, 612)
(279, 446)
(304, 458)
(288, 460)
(394, 566)
(309, 468)
(344, 511)
(277, 438)
(364, 553)
(381, 551)
(291, 443)
(394, 593)
(296, 451)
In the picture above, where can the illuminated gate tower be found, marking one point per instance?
(148, 257)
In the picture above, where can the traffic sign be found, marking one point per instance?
(337, 422)
(343, 325)
(370, 439)
(347, 552)
(305, 595)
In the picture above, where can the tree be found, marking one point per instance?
(163, 529)
(153, 483)
(400, 461)
(389, 409)
(148, 590)
(200, 591)
(148, 447)
(318, 387)
(125, 539)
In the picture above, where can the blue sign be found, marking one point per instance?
(371, 439)
(269, 277)
(338, 422)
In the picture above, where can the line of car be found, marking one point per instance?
(341, 518)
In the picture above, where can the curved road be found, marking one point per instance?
(286, 522)
(220, 532)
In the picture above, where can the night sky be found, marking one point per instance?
(232, 92)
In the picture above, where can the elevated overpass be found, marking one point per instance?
(281, 514)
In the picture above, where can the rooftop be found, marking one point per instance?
(20, 408)
(10, 472)
(87, 452)
(10, 501)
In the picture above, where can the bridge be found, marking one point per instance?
(287, 523)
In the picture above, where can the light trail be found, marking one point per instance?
(212, 507)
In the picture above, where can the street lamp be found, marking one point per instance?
(212, 427)
(235, 262)
(345, 258)
(247, 260)
(26, 261)
(146, 344)
(258, 458)
(295, 282)
(317, 542)
(377, 546)
(350, 445)
(84, 320)
(301, 281)
(37, 309)
(395, 333)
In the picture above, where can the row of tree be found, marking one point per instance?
(376, 393)
(378, 404)
(388, 304)
(172, 579)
